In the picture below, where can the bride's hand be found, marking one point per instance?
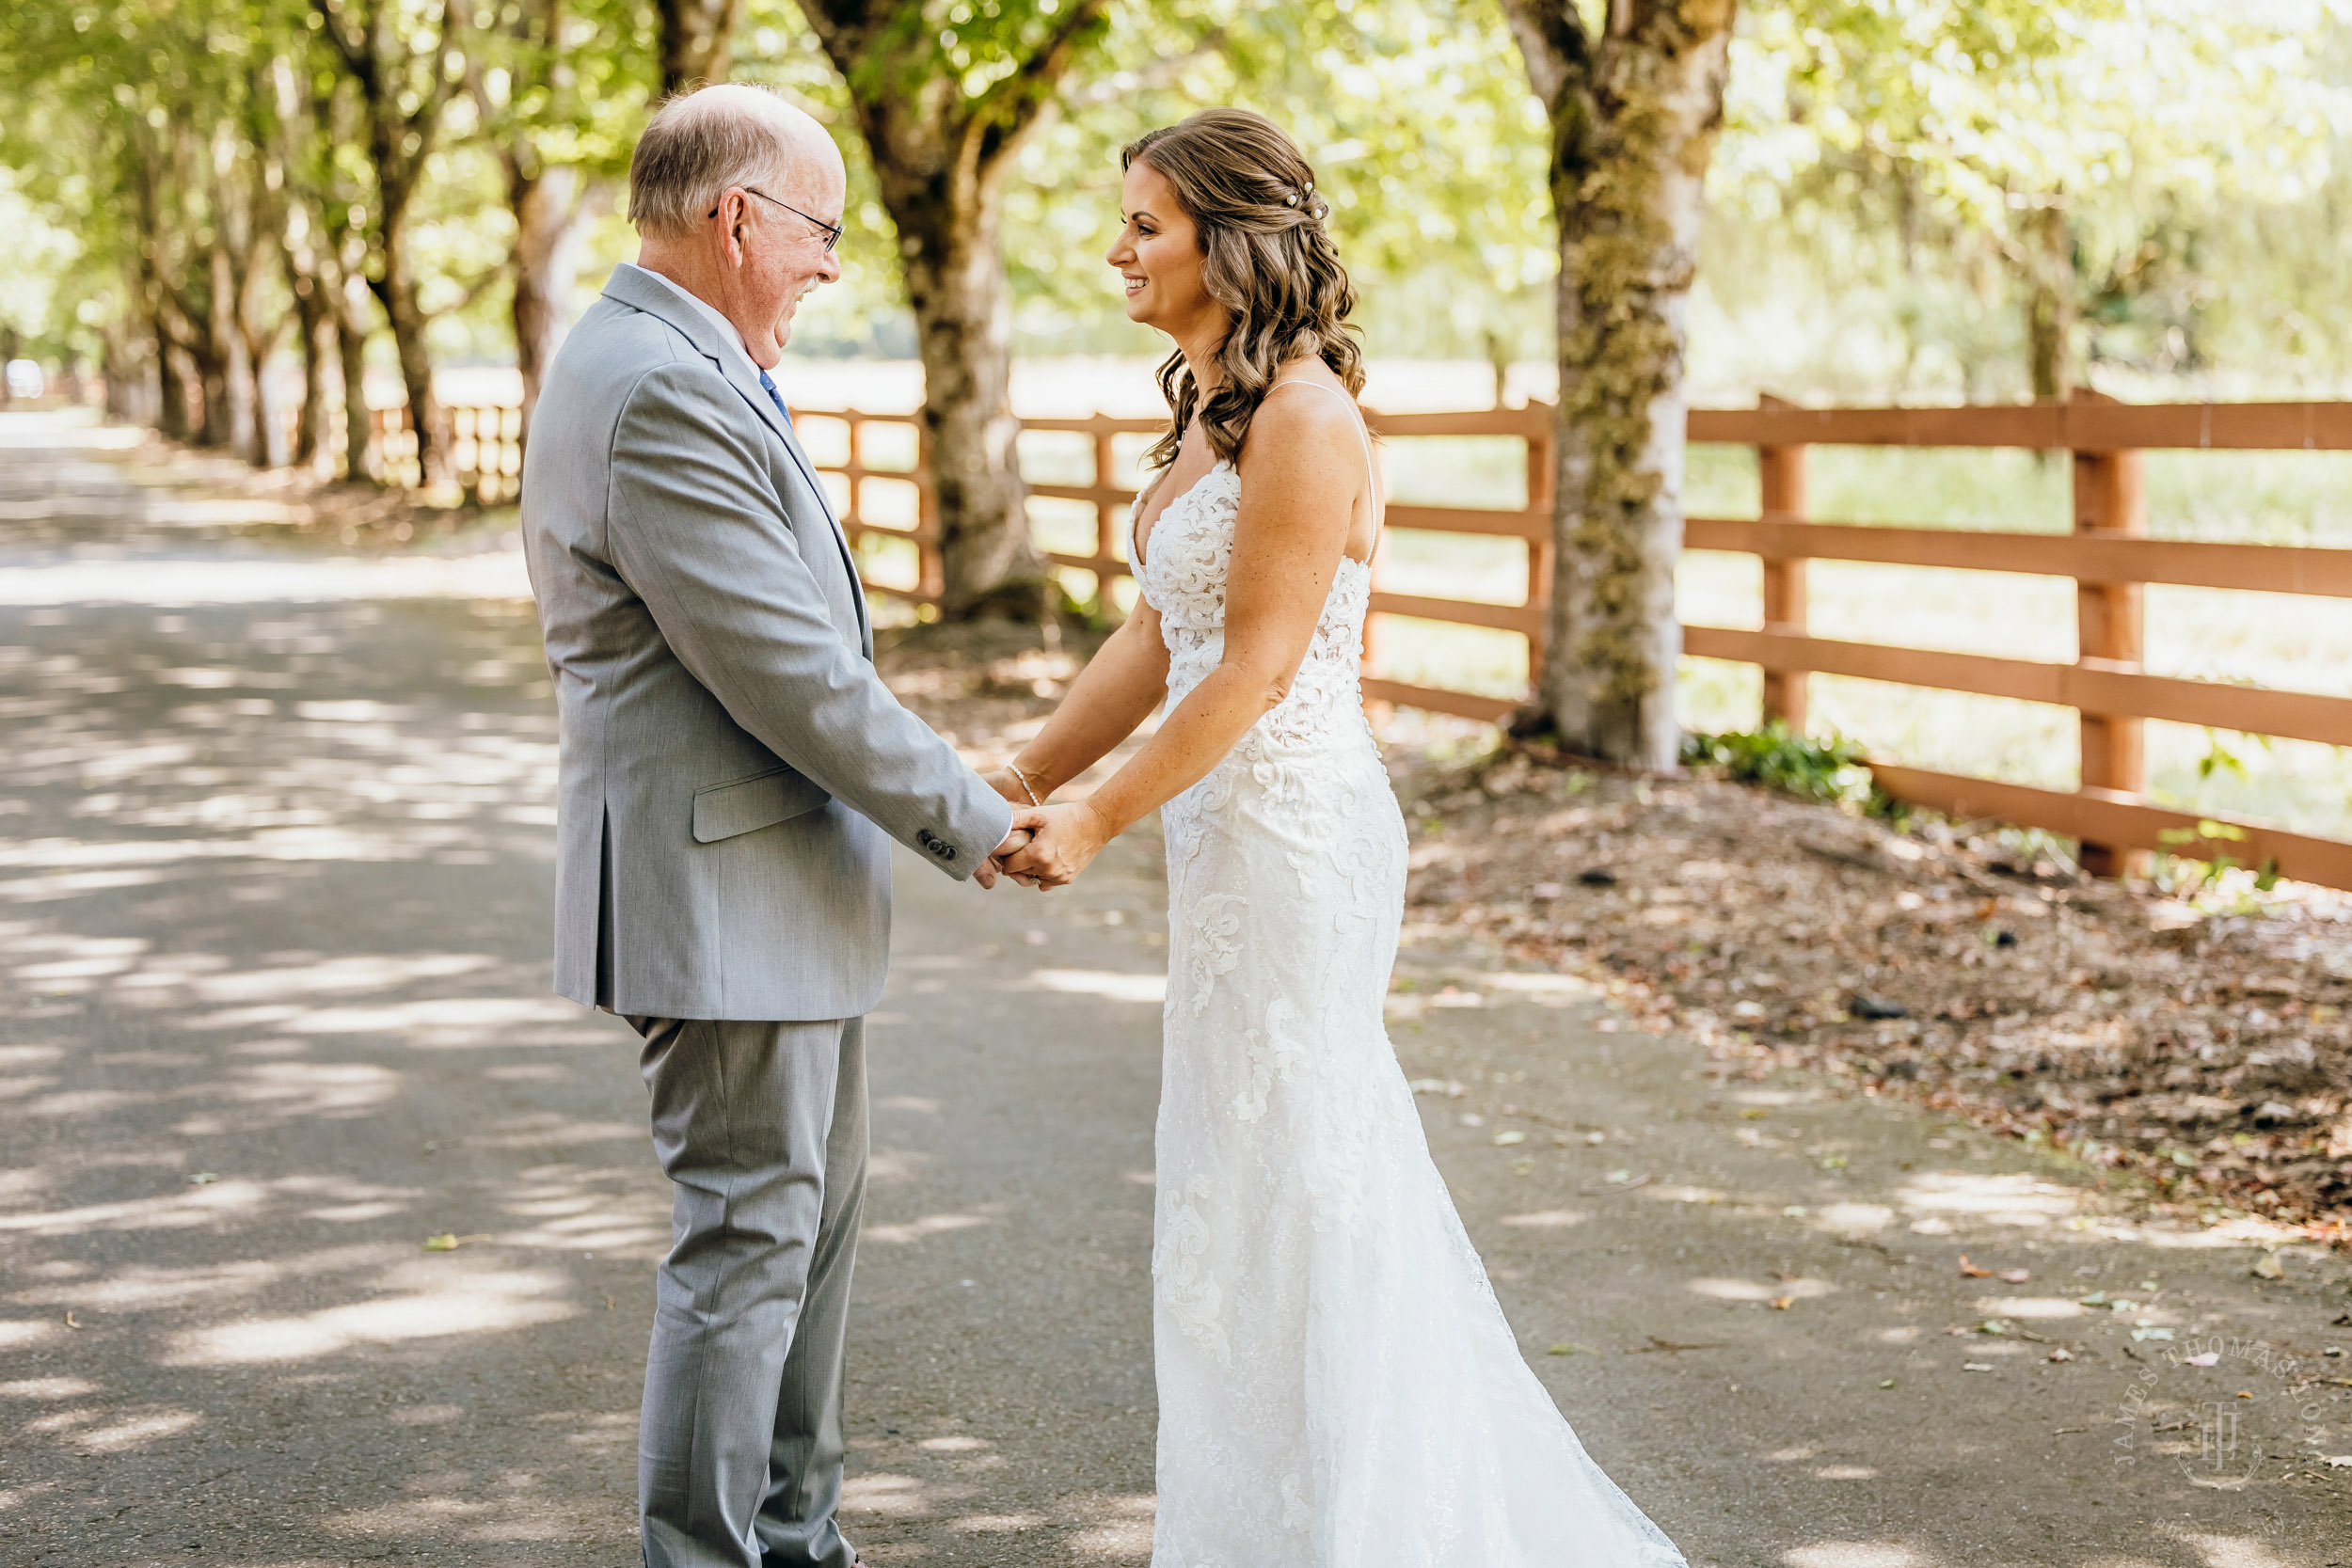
(1064, 839)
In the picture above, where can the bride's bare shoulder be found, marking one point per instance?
(1305, 410)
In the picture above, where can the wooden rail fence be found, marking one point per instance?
(2108, 556)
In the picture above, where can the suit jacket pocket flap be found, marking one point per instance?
(724, 811)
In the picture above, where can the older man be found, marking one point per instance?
(731, 772)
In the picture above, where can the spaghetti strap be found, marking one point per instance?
(1372, 474)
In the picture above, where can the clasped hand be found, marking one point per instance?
(1049, 844)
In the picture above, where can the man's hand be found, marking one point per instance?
(987, 871)
(1063, 838)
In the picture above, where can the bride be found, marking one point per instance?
(1337, 1388)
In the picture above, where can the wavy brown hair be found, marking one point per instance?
(1266, 258)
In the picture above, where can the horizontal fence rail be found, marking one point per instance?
(2110, 560)
(2108, 556)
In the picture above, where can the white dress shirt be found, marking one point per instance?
(711, 311)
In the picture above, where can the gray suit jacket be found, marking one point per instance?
(730, 761)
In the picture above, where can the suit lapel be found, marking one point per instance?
(634, 287)
(744, 377)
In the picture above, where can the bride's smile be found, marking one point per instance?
(1159, 260)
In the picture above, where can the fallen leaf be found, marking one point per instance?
(447, 1242)
(1569, 1347)
(1782, 1303)
(2062, 1353)
(2265, 1267)
(1887, 1383)
(2016, 1276)
(1505, 1139)
(1994, 1326)
(1968, 1270)
(1754, 1113)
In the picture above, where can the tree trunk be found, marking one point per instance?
(312, 322)
(269, 431)
(215, 427)
(1635, 111)
(258, 337)
(237, 368)
(548, 233)
(397, 294)
(955, 279)
(697, 42)
(363, 462)
(943, 148)
(172, 388)
(401, 121)
(123, 370)
(2050, 303)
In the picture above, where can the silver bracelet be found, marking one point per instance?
(1022, 779)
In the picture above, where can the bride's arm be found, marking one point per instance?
(1299, 476)
(1117, 691)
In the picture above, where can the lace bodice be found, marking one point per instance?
(1183, 576)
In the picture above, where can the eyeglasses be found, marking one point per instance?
(833, 231)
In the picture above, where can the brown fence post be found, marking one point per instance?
(2110, 500)
(1782, 472)
(1106, 512)
(854, 425)
(1539, 474)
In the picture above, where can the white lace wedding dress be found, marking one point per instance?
(1337, 1388)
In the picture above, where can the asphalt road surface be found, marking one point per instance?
(327, 1232)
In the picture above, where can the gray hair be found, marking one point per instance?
(700, 142)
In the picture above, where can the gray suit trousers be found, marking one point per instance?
(762, 1130)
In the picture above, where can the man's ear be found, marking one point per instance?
(731, 236)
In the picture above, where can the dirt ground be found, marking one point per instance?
(274, 850)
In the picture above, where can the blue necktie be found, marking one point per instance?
(775, 397)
